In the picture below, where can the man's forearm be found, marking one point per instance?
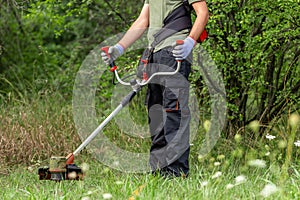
(134, 33)
(137, 28)
(201, 20)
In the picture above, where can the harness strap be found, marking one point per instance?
(178, 20)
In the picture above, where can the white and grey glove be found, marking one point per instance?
(181, 51)
(114, 52)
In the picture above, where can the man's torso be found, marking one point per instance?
(159, 10)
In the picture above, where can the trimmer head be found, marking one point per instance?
(61, 168)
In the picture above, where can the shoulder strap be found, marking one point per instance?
(178, 20)
(188, 7)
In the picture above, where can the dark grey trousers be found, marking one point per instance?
(169, 115)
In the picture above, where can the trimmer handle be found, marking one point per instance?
(179, 42)
(112, 64)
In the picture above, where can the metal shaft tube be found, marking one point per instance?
(98, 129)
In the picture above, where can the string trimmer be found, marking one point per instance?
(63, 168)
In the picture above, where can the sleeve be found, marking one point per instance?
(193, 1)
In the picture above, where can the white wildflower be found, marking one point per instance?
(268, 153)
(204, 183)
(268, 190)
(240, 179)
(106, 196)
(217, 163)
(119, 182)
(217, 175)
(229, 186)
(297, 143)
(85, 198)
(257, 163)
(270, 137)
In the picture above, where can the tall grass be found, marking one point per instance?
(248, 166)
(33, 129)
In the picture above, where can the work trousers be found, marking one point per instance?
(169, 115)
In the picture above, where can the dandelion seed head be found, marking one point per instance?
(254, 125)
(204, 183)
(282, 144)
(216, 175)
(106, 196)
(257, 163)
(119, 182)
(229, 186)
(294, 120)
(240, 179)
(268, 190)
(237, 137)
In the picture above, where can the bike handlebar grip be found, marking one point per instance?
(112, 64)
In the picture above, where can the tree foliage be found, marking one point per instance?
(254, 43)
(43, 43)
(256, 46)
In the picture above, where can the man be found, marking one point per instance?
(168, 110)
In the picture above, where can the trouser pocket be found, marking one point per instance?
(170, 100)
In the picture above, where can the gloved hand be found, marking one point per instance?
(181, 51)
(114, 52)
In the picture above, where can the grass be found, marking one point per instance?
(102, 182)
(33, 131)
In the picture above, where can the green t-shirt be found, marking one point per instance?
(159, 10)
